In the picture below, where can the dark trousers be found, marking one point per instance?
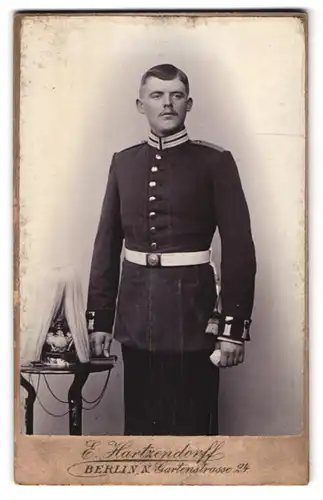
(170, 394)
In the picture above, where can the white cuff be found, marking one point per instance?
(226, 339)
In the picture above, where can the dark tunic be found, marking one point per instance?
(175, 207)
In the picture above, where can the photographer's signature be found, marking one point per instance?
(100, 459)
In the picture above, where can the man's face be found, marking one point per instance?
(165, 104)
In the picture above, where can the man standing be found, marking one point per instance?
(165, 198)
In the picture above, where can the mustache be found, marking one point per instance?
(168, 113)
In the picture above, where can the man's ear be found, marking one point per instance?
(140, 106)
(189, 104)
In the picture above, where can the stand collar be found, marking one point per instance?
(169, 141)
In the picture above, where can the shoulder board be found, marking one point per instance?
(209, 145)
(134, 146)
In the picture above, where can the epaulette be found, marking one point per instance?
(209, 145)
(134, 146)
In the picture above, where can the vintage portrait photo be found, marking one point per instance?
(160, 265)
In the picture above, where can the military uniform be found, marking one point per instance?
(169, 195)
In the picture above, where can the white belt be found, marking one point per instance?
(167, 259)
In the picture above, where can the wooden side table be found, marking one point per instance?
(81, 371)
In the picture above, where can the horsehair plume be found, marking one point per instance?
(51, 302)
(75, 315)
(63, 289)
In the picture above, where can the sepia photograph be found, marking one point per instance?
(160, 248)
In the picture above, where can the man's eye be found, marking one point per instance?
(178, 96)
(156, 96)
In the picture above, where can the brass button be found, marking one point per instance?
(154, 169)
(152, 198)
(152, 214)
(153, 229)
(158, 157)
(153, 245)
(152, 184)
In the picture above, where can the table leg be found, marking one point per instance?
(75, 403)
(29, 405)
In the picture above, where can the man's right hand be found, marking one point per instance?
(100, 343)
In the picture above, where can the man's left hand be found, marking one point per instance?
(231, 354)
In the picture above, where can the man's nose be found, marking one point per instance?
(167, 101)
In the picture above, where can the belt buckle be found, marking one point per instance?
(153, 259)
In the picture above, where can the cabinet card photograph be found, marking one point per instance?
(160, 248)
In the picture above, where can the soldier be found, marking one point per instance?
(165, 198)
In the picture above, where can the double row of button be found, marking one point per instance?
(152, 198)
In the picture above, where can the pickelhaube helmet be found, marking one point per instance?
(62, 335)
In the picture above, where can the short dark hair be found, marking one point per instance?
(166, 72)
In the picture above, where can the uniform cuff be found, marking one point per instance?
(100, 321)
(226, 339)
(229, 327)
